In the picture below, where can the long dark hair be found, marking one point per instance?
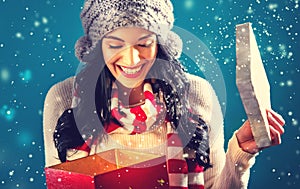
(95, 86)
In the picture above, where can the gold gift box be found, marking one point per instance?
(113, 169)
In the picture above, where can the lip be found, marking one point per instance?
(133, 75)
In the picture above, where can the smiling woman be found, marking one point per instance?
(134, 94)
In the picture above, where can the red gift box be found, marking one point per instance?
(113, 169)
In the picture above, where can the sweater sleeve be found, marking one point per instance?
(230, 170)
(58, 99)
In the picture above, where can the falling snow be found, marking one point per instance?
(37, 50)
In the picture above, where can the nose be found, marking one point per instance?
(131, 56)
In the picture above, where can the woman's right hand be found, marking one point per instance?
(245, 137)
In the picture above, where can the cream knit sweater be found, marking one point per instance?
(230, 170)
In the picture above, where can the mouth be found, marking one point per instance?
(131, 72)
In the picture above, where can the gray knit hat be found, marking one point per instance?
(100, 17)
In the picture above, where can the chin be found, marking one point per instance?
(131, 84)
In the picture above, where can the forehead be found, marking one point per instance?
(130, 34)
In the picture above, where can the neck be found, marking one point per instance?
(131, 96)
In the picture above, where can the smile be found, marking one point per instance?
(131, 70)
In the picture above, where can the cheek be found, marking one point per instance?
(105, 54)
(153, 53)
(109, 55)
(150, 53)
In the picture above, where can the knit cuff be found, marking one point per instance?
(241, 159)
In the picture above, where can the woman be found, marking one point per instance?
(133, 94)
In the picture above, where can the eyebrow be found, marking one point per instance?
(119, 39)
(145, 37)
(115, 38)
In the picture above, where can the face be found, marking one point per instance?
(129, 53)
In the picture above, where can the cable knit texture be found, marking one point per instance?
(230, 170)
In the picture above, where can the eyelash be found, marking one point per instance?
(146, 45)
(140, 45)
(115, 47)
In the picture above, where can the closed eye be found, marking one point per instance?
(147, 44)
(115, 46)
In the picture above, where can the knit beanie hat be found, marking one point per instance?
(100, 17)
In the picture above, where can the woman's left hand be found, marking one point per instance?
(245, 137)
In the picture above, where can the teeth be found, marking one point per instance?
(130, 70)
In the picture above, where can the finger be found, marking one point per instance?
(277, 117)
(275, 135)
(250, 147)
(273, 122)
(244, 133)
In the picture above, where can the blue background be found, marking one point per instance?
(36, 48)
